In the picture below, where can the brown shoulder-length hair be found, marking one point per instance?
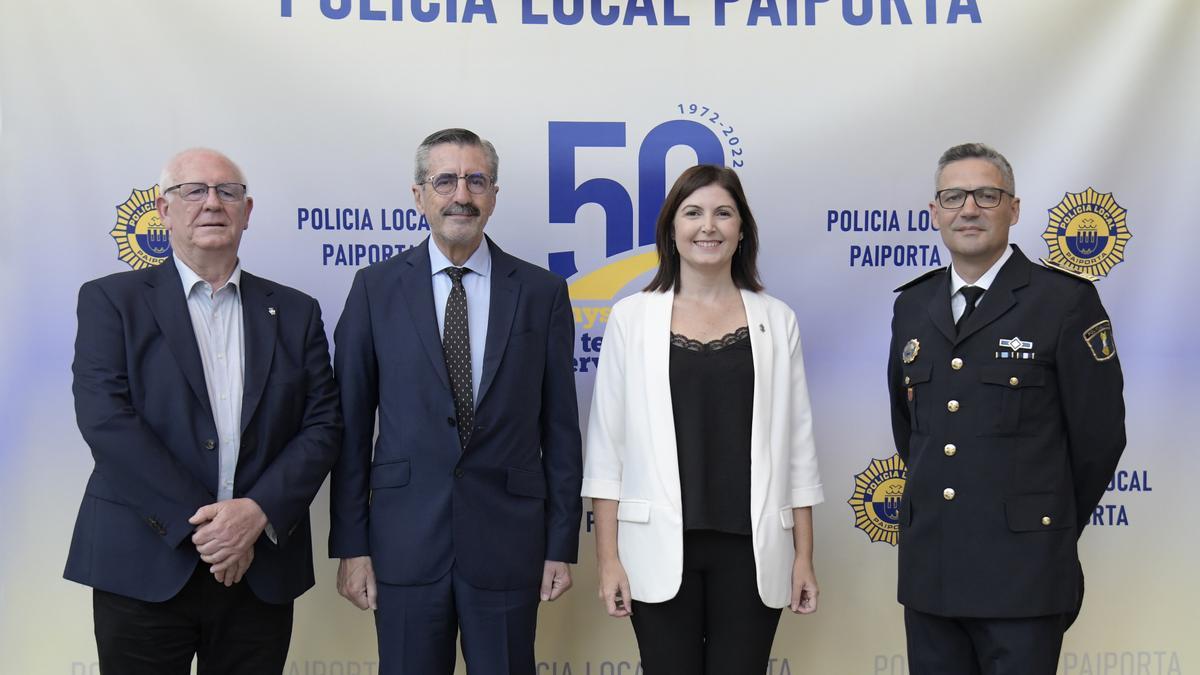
(745, 259)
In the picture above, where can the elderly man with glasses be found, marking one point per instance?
(206, 396)
(1007, 409)
(464, 512)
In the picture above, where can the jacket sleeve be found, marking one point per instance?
(562, 454)
(805, 477)
(287, 487)
(606, 422)
(901, 423)
(1090, 386)
(129, 454)
(357, 372)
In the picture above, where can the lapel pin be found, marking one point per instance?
(271, 311)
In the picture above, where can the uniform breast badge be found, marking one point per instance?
(911, 349)
(1014, 346)
(1099, 339)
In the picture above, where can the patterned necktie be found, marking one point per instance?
(971, 294)
(456, 348)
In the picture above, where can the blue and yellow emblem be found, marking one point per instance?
(1087, 233)
(1099, 339)
(876, 499)
(141, 238)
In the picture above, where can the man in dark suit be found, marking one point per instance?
(465, 512)
(1007, 410)
(207, 399)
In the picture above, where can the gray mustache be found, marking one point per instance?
(460, 210)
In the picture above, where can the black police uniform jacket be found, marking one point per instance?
(1008, 452)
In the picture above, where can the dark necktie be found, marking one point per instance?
(971, 294)
(456, 348)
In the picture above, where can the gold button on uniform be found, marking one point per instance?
(1014, 381)
(950, 449)
(952, 406)
(1045, 520)
(948, 494)
(956, 363)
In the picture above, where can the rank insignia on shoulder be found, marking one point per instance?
(1099, 339)
(1015, 345)
(1057, 267)
(911, 349)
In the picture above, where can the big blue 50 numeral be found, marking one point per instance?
(566, 198)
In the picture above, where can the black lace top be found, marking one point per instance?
(712, 396)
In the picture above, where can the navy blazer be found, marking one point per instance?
(417, 503)
(142, 406)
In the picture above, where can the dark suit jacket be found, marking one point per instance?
(418, 503)
(1035, 442)
(143, 408)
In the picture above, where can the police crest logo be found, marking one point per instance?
(142, 240)
(1087, 233)
(876, 499)
(1099, 339)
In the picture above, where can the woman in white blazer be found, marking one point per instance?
(699, 458)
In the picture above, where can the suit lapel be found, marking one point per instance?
(939, 307)
(260, 321)
(506, 290)
(169, 305)
(762, 346)
(416, 285)
(1000, 296)
(656, 351)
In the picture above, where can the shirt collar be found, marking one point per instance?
(956, 282)
(190, 278)
(480, 261)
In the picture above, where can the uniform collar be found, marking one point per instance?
(985, 281)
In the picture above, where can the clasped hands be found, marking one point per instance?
(225, 535)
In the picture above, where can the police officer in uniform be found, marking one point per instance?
(1007, 409)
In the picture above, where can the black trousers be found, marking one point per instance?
(939, 645)
(717, 624)
(229, 631)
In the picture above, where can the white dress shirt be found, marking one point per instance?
(217, 322)
(958, 303)
(479, 299)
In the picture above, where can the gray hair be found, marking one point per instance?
(977, 151)
(169, 174)
(457, 137)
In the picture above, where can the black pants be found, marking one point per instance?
(717, 624)
(939, 645)
(229, 631)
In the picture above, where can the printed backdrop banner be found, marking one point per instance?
(834, 113)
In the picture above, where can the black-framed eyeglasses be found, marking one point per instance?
(198, 192)
(985, 197)
(447, 183)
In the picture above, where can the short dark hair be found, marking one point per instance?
(977, 151)
(455, 136)
(745, 266)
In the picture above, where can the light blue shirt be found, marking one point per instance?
(958, 303)
(477, 283)
(217, 323)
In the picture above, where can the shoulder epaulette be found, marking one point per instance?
(919, 279)
(1051, 265)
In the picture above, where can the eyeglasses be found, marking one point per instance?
(447, 183)
(985, 197)
(198, 192)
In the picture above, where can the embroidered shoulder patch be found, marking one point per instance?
(1099, 339)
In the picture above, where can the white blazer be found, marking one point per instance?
(630, 452)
